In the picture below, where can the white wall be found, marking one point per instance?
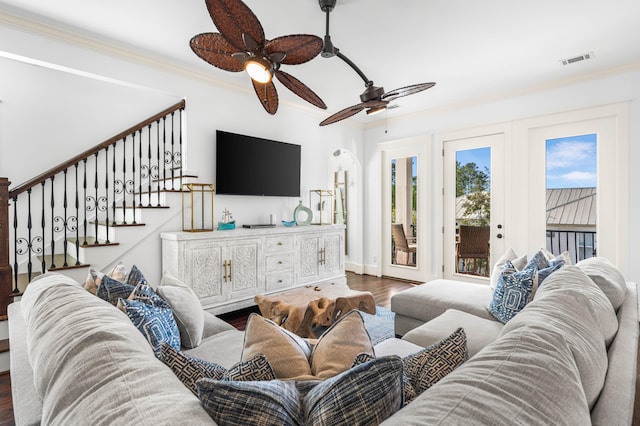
(603, 90)
(48, 115)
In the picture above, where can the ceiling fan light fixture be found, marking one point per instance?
(259, 69)
(374, 111)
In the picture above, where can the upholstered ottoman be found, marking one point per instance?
(480, 331)
(417, 305)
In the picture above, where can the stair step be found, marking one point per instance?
(146, 207)
(4, 345)
(92, 242)
(118, 225)
(59, 260)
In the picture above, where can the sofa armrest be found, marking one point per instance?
(616, 401)
(27, 405)
(214, 325)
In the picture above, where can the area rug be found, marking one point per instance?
(381, 325)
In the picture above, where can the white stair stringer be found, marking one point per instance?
(139, 245)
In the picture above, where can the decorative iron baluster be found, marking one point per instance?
(115, 183)
(15, 245)
(84, 195)
(180, 151)
(173, 183)
(64, 220)
(29, 243)
(94, 200)
(164, 152)
(149, 168)
(133, 176)
(43, 225)
(77, 215)
(140, 168)
(53, 218)
(158, 162)
(106, 192)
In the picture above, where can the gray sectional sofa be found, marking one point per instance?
(569, 357)
(565, 359)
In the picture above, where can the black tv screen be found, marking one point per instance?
(247, 165)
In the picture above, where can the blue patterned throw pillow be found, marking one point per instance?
(366, 394)
(155, 323)
(544, 266)
(135, 277)
(514, 290)
(111, 290)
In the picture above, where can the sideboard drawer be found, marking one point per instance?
(280, 280)
(279, 244)
(276, 263)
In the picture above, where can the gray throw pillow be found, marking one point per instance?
(187, 310)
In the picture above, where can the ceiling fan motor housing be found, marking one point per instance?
(327, 5)
(372, 93)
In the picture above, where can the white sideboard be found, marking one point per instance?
(227, 268)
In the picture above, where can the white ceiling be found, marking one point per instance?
(474, 50)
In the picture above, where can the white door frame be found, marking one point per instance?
(417, 147)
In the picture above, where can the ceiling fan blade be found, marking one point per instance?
(268, 95)
(233, 18)
(299, 48)
(345, 113)
(405, 91)
(300, 89)
(216, 50)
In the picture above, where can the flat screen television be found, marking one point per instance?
(246, 165)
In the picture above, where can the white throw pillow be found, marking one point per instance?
(186, 307)
(518, 262)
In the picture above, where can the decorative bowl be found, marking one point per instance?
(288, 223)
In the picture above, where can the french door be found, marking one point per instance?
(473, 216)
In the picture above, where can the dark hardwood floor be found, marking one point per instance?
(381, 288)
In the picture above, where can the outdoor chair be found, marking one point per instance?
(473, 243)
(402, 245)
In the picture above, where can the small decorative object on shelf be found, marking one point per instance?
(322, 204)
(289, 223)
(302, 215)
(197, 209)
(227, 221)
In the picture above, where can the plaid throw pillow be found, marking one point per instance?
(366, 394)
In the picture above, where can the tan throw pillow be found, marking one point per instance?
(118, 273)
(340, 345)
(293, 358)
(287, 353)
(187, 310)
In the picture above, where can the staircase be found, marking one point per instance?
(91, 210)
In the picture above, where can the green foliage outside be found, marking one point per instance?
(475, 185)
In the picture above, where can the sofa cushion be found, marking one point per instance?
(91, 363)
(426, 301)
(513, 291)
(570, 313)
(526, 377)
(187, 310)
(479, 331)
(425, 368)
(571, 277)
(607, 277)
(155, 323)
(365, 394)
(224, 348)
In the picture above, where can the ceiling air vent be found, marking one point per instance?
(575, 59)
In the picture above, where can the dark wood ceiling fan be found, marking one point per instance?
(373, 99)
(241, 45)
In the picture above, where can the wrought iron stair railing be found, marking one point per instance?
(45, 221)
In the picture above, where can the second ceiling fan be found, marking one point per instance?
(374, 98)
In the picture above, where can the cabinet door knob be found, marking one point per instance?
(279, 243)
